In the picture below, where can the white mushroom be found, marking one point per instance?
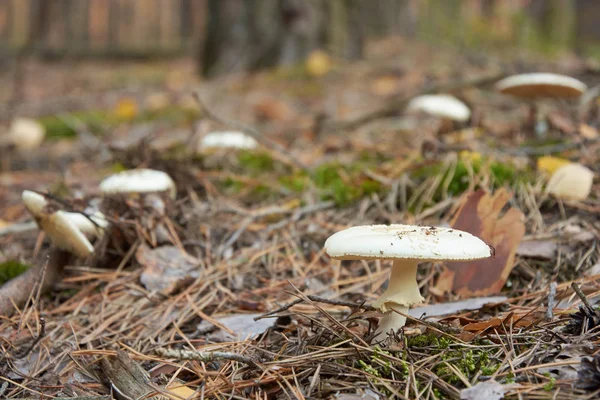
(139, 181)
(228, 139)
(66, 230)
(408, 246)
(539, 85)
(572, 181)
(26, 134)
(440, 105)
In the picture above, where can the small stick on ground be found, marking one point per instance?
(551, 295)
(581, 295)
(317, 299)
(206, 356)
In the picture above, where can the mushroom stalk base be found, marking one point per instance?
(391, 321)
(402, 292)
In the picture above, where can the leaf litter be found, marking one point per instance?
(167, 305)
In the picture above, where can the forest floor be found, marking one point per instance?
(173, 302)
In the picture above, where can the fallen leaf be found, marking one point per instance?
(562, 122)
(179, 390)
(126, 109)
(479, 215)
(572, 181)
(588, 132)
(549, 164)
(243, 325)
(436, 310)
(543, 249)
(165, 268)
(271, 109)
(489, 390)
(318, 63)
(385, 85)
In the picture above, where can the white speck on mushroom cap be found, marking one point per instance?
(405, 242)
(541, 84)
(440, 105)
(228, 139)
(138, 181)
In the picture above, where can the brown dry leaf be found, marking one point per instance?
(480, 215)
(562, 123)
(165, 268)
(588, 132)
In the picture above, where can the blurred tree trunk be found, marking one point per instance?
(246, 35)
(587, 27)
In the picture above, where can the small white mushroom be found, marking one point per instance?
(408, 246)
(534, 86)
(572, 181)
(63, 227)
(228, 139)
(26, 134)
(440, 105)
(541, 84)
(139, 181)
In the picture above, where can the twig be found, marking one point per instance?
(18, 228)
(206, 356)
(551, 295)
(397, 105)
(283, 152)
(581, 295)
(317, 299)
(37, 339)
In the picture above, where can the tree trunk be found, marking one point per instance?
(246, 35)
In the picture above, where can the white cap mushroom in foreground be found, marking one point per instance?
(228, 139)
(440, 105)
(541, 84)
(572, 181)
(139, 181)
(63, 228)
(407, 245)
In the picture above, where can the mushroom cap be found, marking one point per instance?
(572, 181)
(541, 85)
(228, 139)
(138, 181)
(405, 242)
(61, 230)
(26, 133)
(440, 105)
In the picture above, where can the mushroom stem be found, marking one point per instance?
(402, 292)
(391, 321)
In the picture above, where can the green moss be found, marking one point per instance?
(256, 162)
(11, 269)
(551, 382)
(296, 183)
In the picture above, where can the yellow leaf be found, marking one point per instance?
(180, 390)
(549, 164)
(318, 63)
(126, 109)
(471, 156)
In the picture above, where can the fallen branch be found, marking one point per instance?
(17, 291)
(206, 356)
(316, 299)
